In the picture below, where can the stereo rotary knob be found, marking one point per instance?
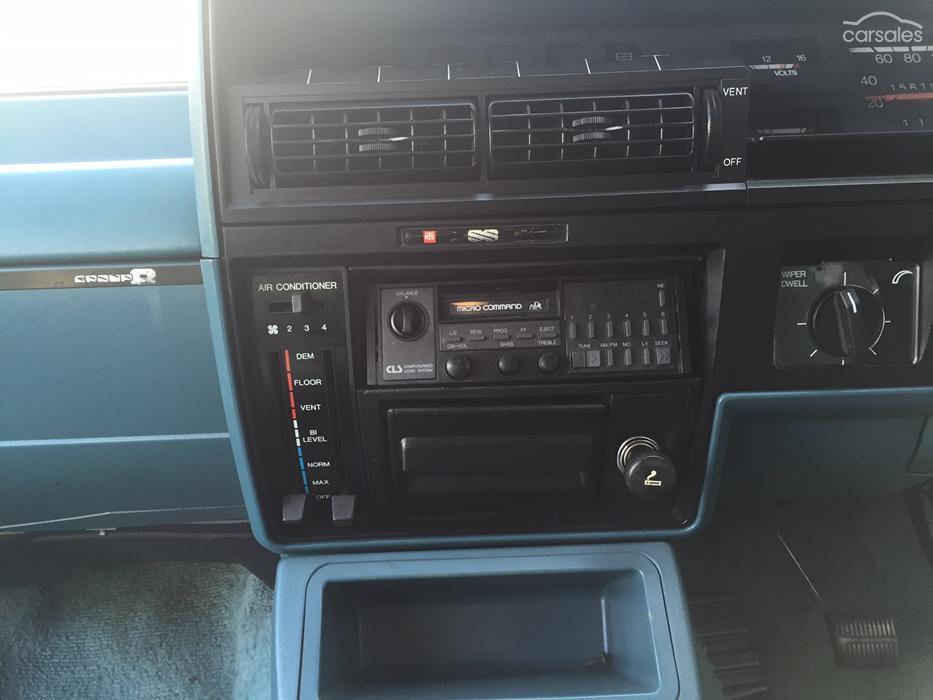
(649, 474)
(507, 364)
(408, 320)
(548, 363)
(458, 367)
(847, 322)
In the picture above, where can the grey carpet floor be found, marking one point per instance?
(166, 630)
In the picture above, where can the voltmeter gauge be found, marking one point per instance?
(778, 61)
(786, 76)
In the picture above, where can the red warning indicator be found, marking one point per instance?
(429, 237)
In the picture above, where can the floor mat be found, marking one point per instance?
(166, 630)
(861, 556)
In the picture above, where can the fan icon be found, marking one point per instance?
(273, 329)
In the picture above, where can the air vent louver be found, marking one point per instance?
(593, 135)
(316, 144)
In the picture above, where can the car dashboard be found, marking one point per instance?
(475, 292)
(457, 251)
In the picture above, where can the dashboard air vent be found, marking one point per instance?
(314, 144)
(593, 135)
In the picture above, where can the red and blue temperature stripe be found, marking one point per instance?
(294, 410)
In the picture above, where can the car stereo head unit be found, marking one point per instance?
(538, 330)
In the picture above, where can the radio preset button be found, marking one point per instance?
(627, 328)
(572, 330)
(610, 329)
(664, 327)
(591, 329)
(458, 367)
(662, 298)
(646, 327)
(548, 362)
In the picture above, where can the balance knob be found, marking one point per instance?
(847, 322)
(408, 320)
(649, 473)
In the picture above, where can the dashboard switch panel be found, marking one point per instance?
(847, 313)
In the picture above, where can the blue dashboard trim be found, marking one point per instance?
(213, 291)
(838, 409)
(117, 482)
(121, 439)
(72, 128)
(110, 412)
(111, 519)
(206, 203)
(95, 177)
(118, 211)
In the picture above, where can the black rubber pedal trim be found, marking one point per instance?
(863, 641)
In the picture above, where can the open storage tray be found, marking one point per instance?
(529, 624)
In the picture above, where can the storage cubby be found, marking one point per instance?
(587, 623)
(529, 636)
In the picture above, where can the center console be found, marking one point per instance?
(486, 279)
(481, 398)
